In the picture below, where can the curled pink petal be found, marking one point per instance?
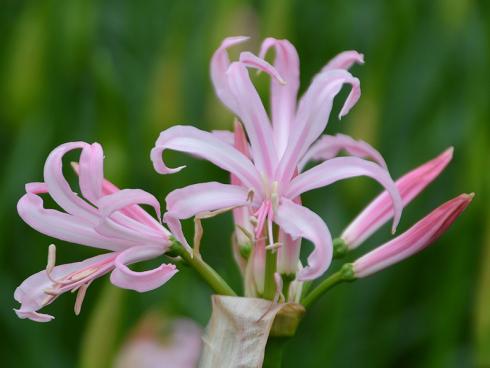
(219, 66)
(40, 290)
(34, 316)
(253, 61)
(252, 114)
(91, 172)
(116, 224)
(37, 188)
(126, 278)
(328, 146)
(224, 136)
(380, 210)
(283, 97)
(203, 144)
(298, 221)
(312, 116)
(341, 168)
(415, 239)
(344, 60)
(133, 211)
(60, 190)
(63, 226)
(198, 198)
(126, 197)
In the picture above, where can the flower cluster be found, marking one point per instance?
(267, 158)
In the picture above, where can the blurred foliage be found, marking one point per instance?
(119, 72)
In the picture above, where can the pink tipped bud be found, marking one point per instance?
(380, 210)
(415, 239)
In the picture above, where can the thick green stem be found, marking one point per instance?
(207, 273)
(346, 273)
(270, 269)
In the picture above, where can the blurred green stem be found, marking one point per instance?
(207, 273)
(346, 273)
(274, 351)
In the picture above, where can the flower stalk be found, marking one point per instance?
(346, 273)
(207, 273)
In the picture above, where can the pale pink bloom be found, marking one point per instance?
(267, 182)
(380, 211)
(159, 343)
(105, 218)
(415, 239)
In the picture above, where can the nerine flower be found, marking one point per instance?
(106, 217)
(267, 181)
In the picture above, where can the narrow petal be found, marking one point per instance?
(37, 188)
(253, 61)
(63, 226)
(298, 221)
(219, 66)
(91, 172)
(198, 198)
(312, 116)
(203, 144)
(380, 211)
(126, 278)
(341, 168)
(224, 136)
(60, 190)
(203, 197)
(288, 254)
(115, 223)
(32, 292)
(133, 211)
(283, 97)
(126, 197)
(417, 238)
(344, 60)
(328, 146)
(252, 114)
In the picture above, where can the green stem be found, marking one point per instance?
(270, 269)
(346, 273)
(274, 351)
(207, 273)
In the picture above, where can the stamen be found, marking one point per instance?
(51, 258)
(82, 274)
(269, 226)
(80, 296)
(245, 232)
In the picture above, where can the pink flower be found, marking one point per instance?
(106, 218)
(266, 179)
(417, 238)
(379, 211)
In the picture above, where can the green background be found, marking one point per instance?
(119, 72)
